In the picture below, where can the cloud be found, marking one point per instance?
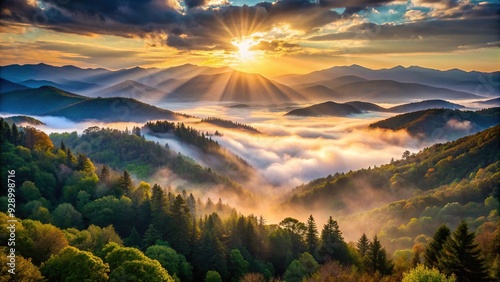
(422, 36)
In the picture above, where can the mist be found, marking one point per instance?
(289, 152)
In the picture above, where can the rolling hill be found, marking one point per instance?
(366, 107)
(490, 102)
(37, 101)
(66, 85)
(112, 110)
(424, 105)
(51, 101)
(233, 86)
(7, 86)
(332, 83)
(230, 124)
(336, 109)
(437, 165)
(325, 109)
(20, 120)
(442, 124)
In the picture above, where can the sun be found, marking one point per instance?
(245, 53)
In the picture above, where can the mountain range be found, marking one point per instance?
(188, 83)
(385, 91)
(479, 83)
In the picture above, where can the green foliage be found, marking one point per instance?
(25, 269)
(172, 261)
(423, 274)
(66, 216)
(72, 264)
(238, 266)
(213, 276)
(312, 240)
(121, 150)
(140, 270)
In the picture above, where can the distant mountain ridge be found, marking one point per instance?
(50, 101)
(390, 91)
(7, 86)
(132, 89)
(233, 86)
(479, 83)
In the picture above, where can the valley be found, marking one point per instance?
(255, 153)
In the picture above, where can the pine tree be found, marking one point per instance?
(15, 135)
(104, 173)
(180, 226)
(376, 259)
(333, 245)
(363, 245)
(434, 248)
(311, 235)
(125, 183)
(462, 257)
(63, 147)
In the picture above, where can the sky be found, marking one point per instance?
(271, 38)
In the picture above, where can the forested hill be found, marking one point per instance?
(441, 124)
(441, 164)
(208, 150)
(230, 124)
(129, 150)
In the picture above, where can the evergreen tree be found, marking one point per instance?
(180, 226)
(434, 248)
(125, 183)
(104, 173)
(462, 257)
(363, 245)
(311, 235)
(63, 147)
(333, 245)
(16, 137)
(376, 259)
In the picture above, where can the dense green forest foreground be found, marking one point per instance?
(80, 222)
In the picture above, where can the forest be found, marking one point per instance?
(81, 216)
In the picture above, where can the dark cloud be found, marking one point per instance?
(474, 29)
(195, 26)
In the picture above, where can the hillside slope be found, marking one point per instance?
(441, 164)
(37, 101)
(442, 123)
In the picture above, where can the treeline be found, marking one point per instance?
(229, 124)
(185, 134)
